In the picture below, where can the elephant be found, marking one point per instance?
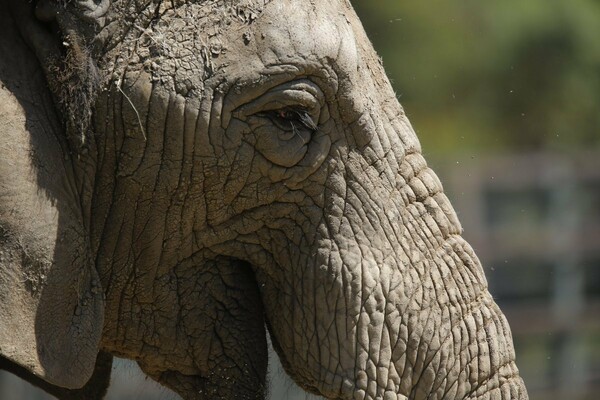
(180, 178)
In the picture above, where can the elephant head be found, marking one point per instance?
(222, 166)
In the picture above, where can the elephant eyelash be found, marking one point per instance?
(291, 119)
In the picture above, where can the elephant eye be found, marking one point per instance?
(290, 119)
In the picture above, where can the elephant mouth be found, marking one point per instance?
(346, 391)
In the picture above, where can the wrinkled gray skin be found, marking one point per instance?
(168, 196)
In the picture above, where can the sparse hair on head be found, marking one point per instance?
(75, 85)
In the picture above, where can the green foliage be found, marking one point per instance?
(493, 75)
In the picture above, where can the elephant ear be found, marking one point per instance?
(51, 301)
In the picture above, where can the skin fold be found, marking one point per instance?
(204, 169)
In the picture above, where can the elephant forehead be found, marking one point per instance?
(291, 30)
(182, 44)
(191, 42)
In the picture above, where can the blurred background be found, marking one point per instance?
(505, 97)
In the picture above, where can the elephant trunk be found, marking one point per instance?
(392, 303)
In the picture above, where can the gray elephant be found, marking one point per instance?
(177, 175)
